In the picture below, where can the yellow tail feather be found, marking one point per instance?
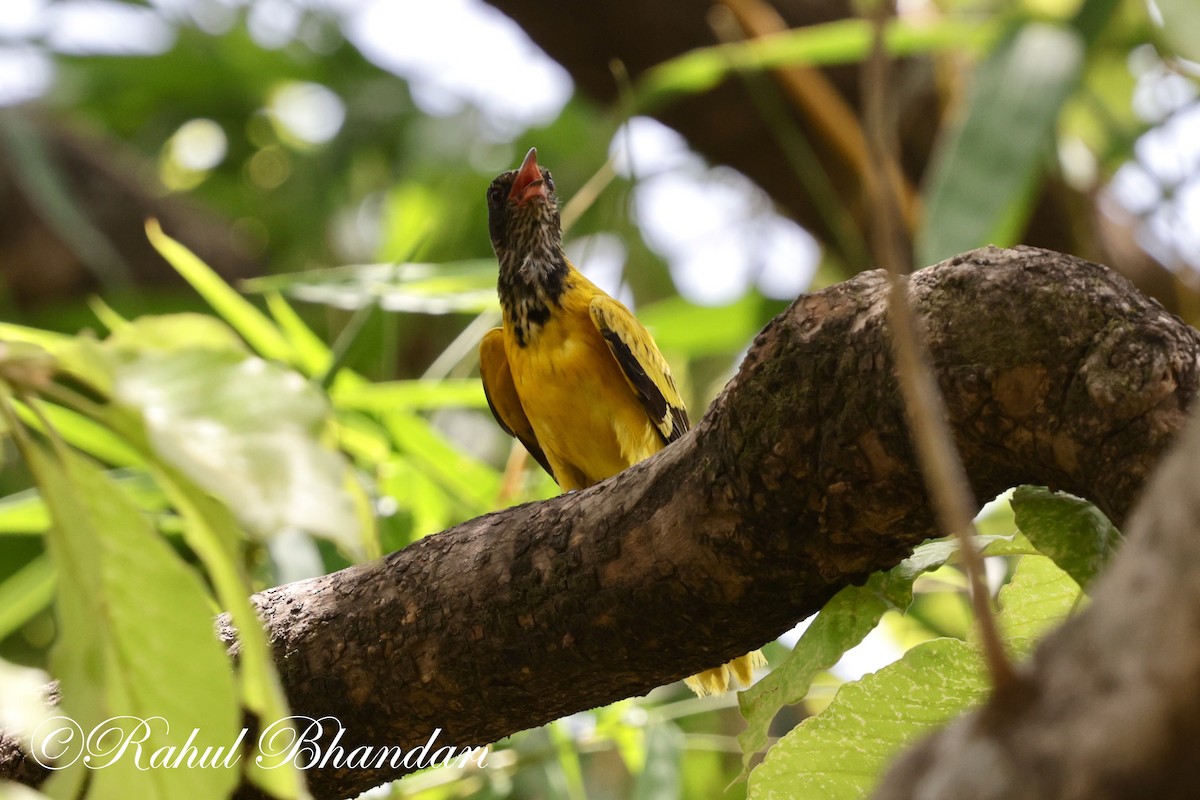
(719, 680)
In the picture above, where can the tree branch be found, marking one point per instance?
(799, 481)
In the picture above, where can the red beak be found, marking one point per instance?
(528, 183)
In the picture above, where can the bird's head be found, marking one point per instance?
(523, 217)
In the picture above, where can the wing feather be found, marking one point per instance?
(502, 396)
(643, 366)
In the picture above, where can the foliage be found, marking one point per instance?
(216, 444)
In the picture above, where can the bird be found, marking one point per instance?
(571, 373)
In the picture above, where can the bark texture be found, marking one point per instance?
(800, 480)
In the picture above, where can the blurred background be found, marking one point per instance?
(336, 153)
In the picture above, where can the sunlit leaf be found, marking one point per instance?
(840, 42)
(136, 635)
(842, 752)
(412, 395)
(25, 593)
(460, 286)
(248, 431)
(254, 326)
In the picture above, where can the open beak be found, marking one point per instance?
(528, 183)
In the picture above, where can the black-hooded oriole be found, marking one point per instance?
(572, 373)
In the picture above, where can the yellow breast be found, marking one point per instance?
(585, 415)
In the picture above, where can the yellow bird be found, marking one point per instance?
(572, 374)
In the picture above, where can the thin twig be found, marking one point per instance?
(945, 476)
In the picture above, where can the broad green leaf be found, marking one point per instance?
(246, 430)
(841, 624)
(135, 633)
(458, 286)
(254, 326)
(840, 753)
(983, 175)
(411, 395)
(1070, 530)
(1038, 598)
(26, 592)
(213, 534)
(841, 42)
(660, 778)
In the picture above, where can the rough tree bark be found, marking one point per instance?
(800, 480)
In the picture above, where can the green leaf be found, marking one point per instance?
(467, 479)
(312, 354)
(23, 512)
(254, 326)
(82, 432)
(411, 395)
(840, 753)
(983, 176)
(841, 42)
(25, 593)
(841, 624)
(135, 633)
(1070, 530)
(1039, 597)
(453, 287)
(246, 430)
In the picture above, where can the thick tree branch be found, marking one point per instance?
(799, 481)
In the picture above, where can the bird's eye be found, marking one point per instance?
(495, 194)
(549, 181)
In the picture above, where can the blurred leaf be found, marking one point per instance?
(24, 512)
(841, 42)
(1180, 26)
(983, 175)
(466, 479)
(246, 430)
(25, 593)
(151, 651)
(170, 332)
(661, 778)
(1070, 530)
(454, 287)
(312, 354)
(82, 432)
(254, 326)
(413, 395)
(680, 326)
